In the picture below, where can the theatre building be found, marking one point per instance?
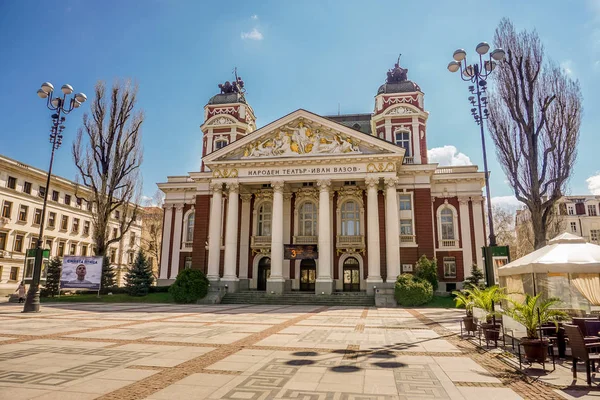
(321, 203)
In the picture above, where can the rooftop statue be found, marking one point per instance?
(236, 87)
(397, 74)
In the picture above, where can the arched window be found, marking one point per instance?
(350, 213)
(403, 140)
(219, 144)
(265, 212)
(308, 219)
(447, 224)
(189, 228)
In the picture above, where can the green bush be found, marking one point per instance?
(427, 270)
(159, 289)
(190, 286)
(412, 291)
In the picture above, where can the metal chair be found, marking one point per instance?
(580, 351)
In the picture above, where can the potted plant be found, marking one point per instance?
(485, 299)
(464, 299)
(533, 313)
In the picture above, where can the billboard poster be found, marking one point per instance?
(81, 272)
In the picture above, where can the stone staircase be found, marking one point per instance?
(293, 298)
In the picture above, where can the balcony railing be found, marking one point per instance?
(187, 245)
(260, 241)
(351, 241)
(408, 160)
(306, 239)
(407, 239)
(449, 243)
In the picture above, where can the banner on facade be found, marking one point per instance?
(300, 252)
(81, 273)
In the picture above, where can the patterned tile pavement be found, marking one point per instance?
(160, 352)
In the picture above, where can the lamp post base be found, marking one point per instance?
(32, 301)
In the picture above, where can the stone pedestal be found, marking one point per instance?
(230, 285)
(373, 284)
(244, 284)
(275, 286)
(323, 286)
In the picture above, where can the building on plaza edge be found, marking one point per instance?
(358, 187)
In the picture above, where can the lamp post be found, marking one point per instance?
(60, 105)
(477, 73)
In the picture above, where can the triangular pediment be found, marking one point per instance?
(302, 134)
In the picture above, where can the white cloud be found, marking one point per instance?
(567, 66)
(254, 16)
(593, 183)
(448, 156)
(508, 203)
(254, 34)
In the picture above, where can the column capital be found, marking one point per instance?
(179, 207)
(168, 206)
(287, 196)
(216, 187)
(391, 182)
(277, 186)
(246, 197)
(477, 199)
(372, 182)
(324, 184)
(463, 200)
(233, 187)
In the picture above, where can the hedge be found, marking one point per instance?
(412, 291)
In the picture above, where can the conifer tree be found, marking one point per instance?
(475, 280)
(139, 278)
(109, 277)
(53, 277)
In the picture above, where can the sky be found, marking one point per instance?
(316, 55)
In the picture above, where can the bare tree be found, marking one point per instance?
(525, 238)
(535, 113)
(108, 159)
(504, 224)
(152, 229)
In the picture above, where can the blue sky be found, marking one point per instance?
(309, 54)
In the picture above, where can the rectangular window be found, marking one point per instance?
(574, 227)
(114, 233)
(403, 140)
(78, 201)
(188, 263)
(75, 225)
(594, 234)
(113, 256)
(406, 227)
(86, 227)
(18, 244)
(571, 210)
(132, 239)
(12, 182)
(84, 249)
(27, 187)
(61, 249)
(23, 209)
(68, 199)
(33, 243)
(42, 191)
(64, 223)
(49, 245)
(37, 216)
(14, 273)
(54, 195)
(89, 205)
(117, 214)
(2, 242)
(51, 219)
(449, 267)
(592, 210)
(73, 249)
(405, 203)
(130, 257)
(6, 209)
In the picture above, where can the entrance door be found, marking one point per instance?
(308, 275)
(351, 275)
(264, 272)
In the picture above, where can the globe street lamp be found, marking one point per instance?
(477, 73)
(60, 105)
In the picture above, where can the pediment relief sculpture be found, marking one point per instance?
(300, 138)
(401, 111)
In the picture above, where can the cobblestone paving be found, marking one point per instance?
(160, 352)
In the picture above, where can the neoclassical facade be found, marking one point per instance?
(321, 203)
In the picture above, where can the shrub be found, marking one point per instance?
(412, 291)
(426, 269)
(475, 280)
(139, 278)
(190, 286)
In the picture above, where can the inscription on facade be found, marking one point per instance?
(303, 171)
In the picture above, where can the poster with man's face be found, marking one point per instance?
(81, 272)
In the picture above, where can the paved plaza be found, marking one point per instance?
(165, 352)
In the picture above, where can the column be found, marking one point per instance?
(287, 220)
(324, 283)
(176, 241)
(214, 232)
(392, 230)
(465, 233)
(276, 283)
(388, 131)
(166, 241)
(244, 241)
(416, 139)
(479, 233)
(231, 231)
(374, 273)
